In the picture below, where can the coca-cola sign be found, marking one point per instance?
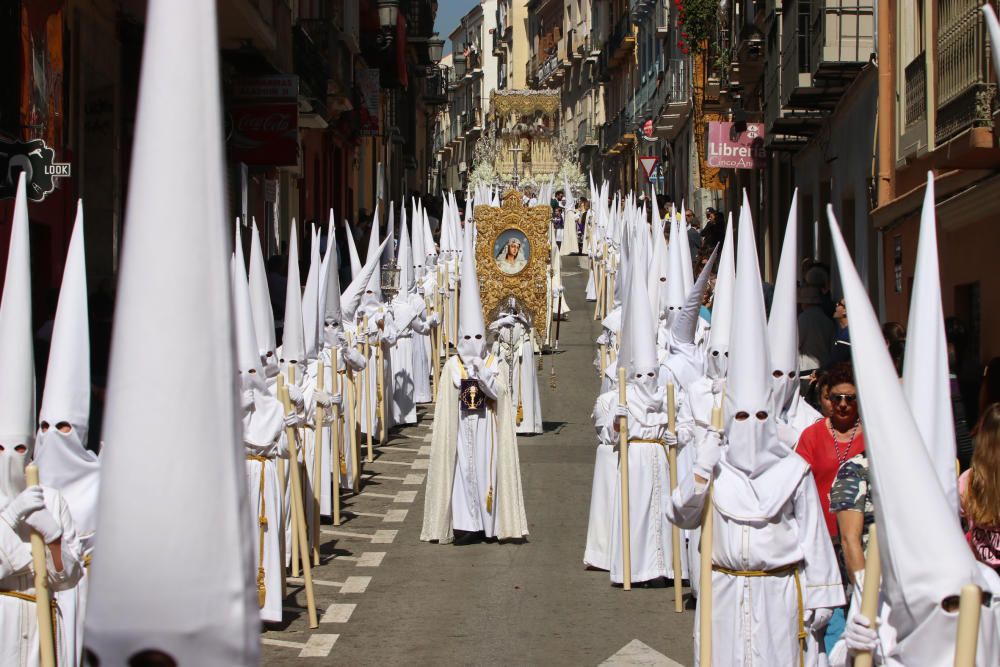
(265, 133)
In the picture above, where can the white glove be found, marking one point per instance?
(434, 320)
(337, 399)
(859, 634)
(556, 291)
(718, 385)
(292, 420)
(670, 438)
(295, 396)
(708, 453)
(25, 503)
(246, 399)
(684, 435)
(43, 523)
(820, 618)
(322, 398)
(620, 411)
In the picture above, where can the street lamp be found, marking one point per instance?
(459, 66)
(388, 15)
(435, 48)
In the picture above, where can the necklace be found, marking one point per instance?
(836, 447)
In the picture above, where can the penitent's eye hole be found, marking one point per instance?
(43, 427)
(650, 374)
(467, 337)
(479, 336)
(792, 375)
(777, 374)
(715, 353)
(742, 416)
(21, 449)
(761, 415)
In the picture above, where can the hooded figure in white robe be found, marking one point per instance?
(474, 479)
(61, 453)
(792, 414)
(515, 342)
(262, 417)
(775, 578)
(422, 367)
(22, 508)
(924, 556)
(646, 419)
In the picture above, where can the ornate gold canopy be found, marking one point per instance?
(499, 279)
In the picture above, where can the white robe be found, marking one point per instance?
(457, 480)
(526, 397)
(570, 240)
(764, 524)
(268, 505)
(18, 618)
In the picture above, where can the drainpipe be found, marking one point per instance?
(886, 101)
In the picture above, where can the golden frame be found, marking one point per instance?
(529, 285)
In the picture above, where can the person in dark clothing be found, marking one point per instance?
(694, 233)
(841, 349)
(714, 230)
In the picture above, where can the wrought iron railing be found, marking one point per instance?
(915, 91)
(966, 89)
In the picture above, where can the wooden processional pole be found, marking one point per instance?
(675, 530)
(705, 573)
(623, 469)
(869, 592)
(369, 412)
(43, 598)
(335, 432)
(298, 515)
(319, 416)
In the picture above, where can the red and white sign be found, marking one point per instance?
(648, 163)
(729, 149)
(265, 133)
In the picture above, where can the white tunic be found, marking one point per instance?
(755, 619)
(18, 618)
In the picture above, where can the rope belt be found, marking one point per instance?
(261, 526)
(86, 560)
(28, 597)
(792, 569)
(651, 441)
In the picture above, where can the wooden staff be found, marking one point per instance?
(281, 523)
(382, 393)
(604, 360)
(319, 415)
(352, 421)
(610, 291)
(43, 599)
(292, 463)
(335, 439)
(599, 289)
(967, 637)
(869, 593)
(675, 529)
(623, 469)
(705, 575)
(367, 398)
(299, 524)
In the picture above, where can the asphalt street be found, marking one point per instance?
(386, 598)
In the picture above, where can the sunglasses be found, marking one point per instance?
(848, 398)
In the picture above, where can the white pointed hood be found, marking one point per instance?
(67, 378)
(783, 327)
(247, 355)
(658, 269)
(373, 291)
(753, 443)
(676, 294)
(717, 361)
(310, 298)
(925, 557)
(637, 349)
(63, 460)
(926, 381)
(471, 326)
(173, 494)
(994, 27)
(350, 300)
(17, 353)
(430, 252)
(352, 251)
(418, 254)
(293, 341)
(687, 266)
(404, 259)
(686, 360)
(260, 305)
(332, 311)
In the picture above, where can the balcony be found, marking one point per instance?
(965, 95)
(677, 107)
(548, 73)
(825, 46)
(266, 24)
(621, 42)
(587, 136)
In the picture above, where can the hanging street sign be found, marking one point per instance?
(648, 163)
(37, 161)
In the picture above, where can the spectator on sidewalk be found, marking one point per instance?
(979, 491)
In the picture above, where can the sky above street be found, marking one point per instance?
(449, 13)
